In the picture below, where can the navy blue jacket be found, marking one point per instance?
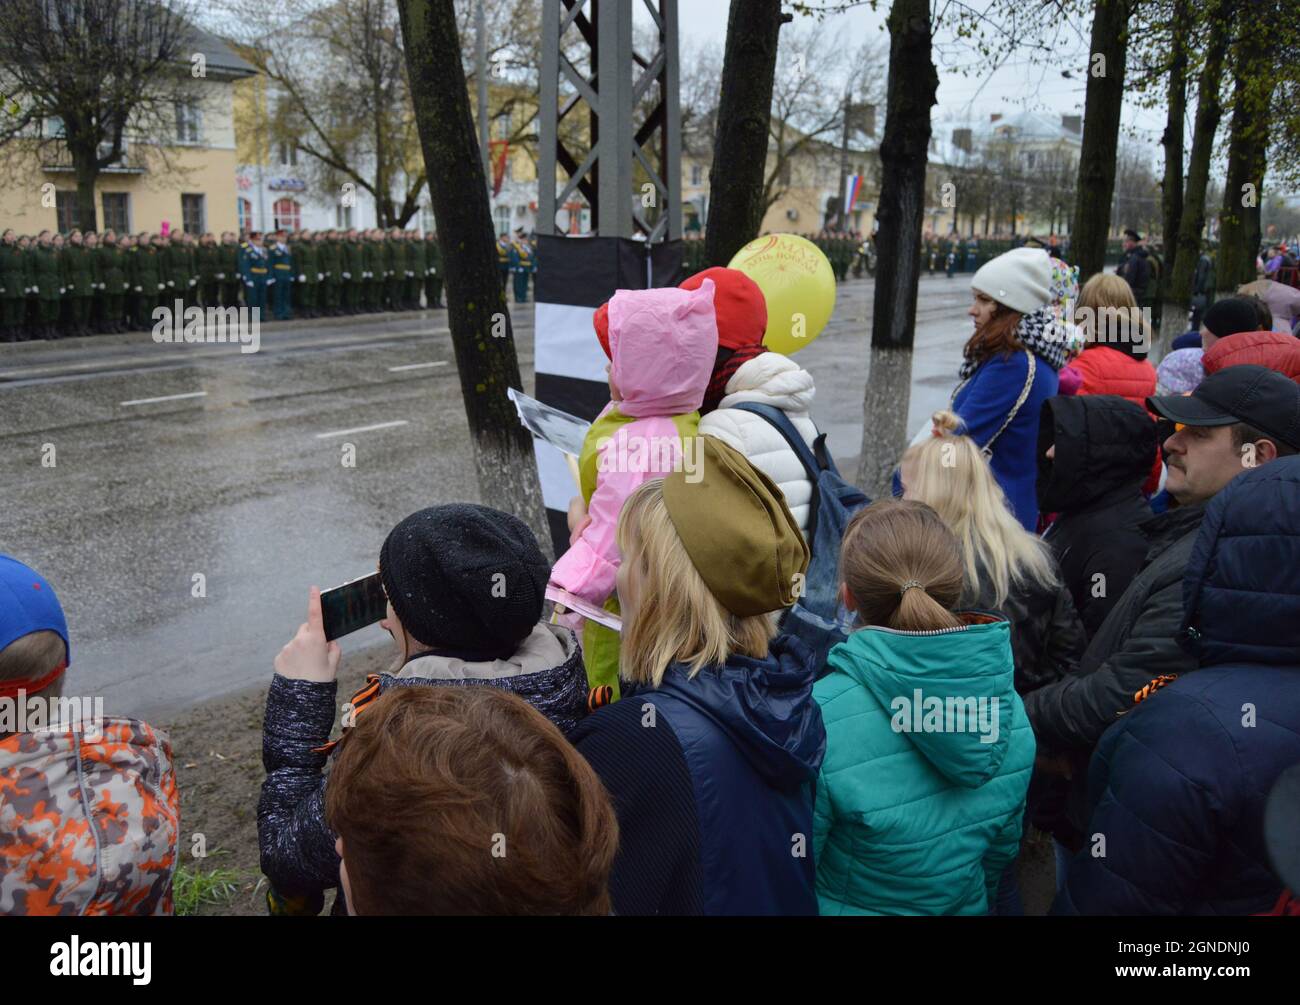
(984, 403)
(712, 780)
(1178, 786)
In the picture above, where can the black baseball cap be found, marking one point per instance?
(1255, 395)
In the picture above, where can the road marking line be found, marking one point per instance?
(165, 397)
(362, 429)
(415, 366)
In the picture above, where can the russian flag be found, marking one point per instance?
(852, 184)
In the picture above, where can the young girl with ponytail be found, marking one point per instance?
(928, 752)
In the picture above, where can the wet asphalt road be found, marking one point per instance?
(241, 481)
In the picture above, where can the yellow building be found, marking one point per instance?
(183, 180)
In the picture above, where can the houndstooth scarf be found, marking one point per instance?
(1040, 333)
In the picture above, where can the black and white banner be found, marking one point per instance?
(575, 275)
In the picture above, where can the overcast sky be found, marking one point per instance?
(1016, 86)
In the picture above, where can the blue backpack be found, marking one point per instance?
(817, 618)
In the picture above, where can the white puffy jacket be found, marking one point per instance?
(769, 379)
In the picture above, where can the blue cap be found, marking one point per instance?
(28, 604)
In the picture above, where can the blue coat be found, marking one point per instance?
(1177, 787)
(984, 403)
(712, 779)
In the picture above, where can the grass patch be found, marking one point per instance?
(193, 888)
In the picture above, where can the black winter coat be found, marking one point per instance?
(1179, 785)
(1047, 640)
(1104, 445)
(1134, 645)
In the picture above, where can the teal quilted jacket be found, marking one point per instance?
(928, 757)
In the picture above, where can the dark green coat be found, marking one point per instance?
(433, 255)
(148, 270)
(307, 260)
(13, 275)
(179, 266)
(112, 268)
(328, 260)
(207, 261)
(372, 254)
(230, 261)
(77, 271)
(45, 268)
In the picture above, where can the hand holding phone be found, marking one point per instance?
(308, 655)
(353, 606)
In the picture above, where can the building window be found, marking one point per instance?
(289, 154)
(245, 210)
(188, 125)
(117, 211)
(53, 127)
(502, 214)
(1030, 160)
(501, 126)
(192, 214)
(697, 173)
(288, 214)
(343, 217)
(65, 203)
(426, 219)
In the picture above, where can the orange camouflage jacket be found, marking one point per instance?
(88, 827)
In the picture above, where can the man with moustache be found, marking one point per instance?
(1237, 419)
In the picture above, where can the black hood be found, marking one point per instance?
(1104, 443)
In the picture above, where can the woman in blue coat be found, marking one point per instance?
(712, 752)
(1010, 369)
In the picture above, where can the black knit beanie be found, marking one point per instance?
(465, 579)
(1231, 316)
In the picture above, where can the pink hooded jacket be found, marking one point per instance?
(663, 344)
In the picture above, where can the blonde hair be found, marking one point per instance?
(1107, 297)
(902, 565)
(32, 656)
(951, 474)
(677, 619)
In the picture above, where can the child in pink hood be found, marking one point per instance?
(662, 344)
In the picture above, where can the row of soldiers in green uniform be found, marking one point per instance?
(517, 259)
(840, 248)
(326, 273)
(56, 287)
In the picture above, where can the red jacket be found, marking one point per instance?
(1264, 348)
(1109, 371)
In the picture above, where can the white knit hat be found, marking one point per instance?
(1020, 279)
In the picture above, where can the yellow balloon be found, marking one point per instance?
(797, 283)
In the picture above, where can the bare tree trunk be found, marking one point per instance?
(744, 118)
(1172, 189)
(1239, 225)
(1209, 110)
(913, 83)
(1104, 101)
(85, 168)
(476, 306)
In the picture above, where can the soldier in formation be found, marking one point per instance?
(55, 286)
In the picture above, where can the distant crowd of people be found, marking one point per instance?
(1080, 616)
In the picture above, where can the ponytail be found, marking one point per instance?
(903, 567)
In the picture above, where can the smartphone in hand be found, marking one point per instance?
(354, 605)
